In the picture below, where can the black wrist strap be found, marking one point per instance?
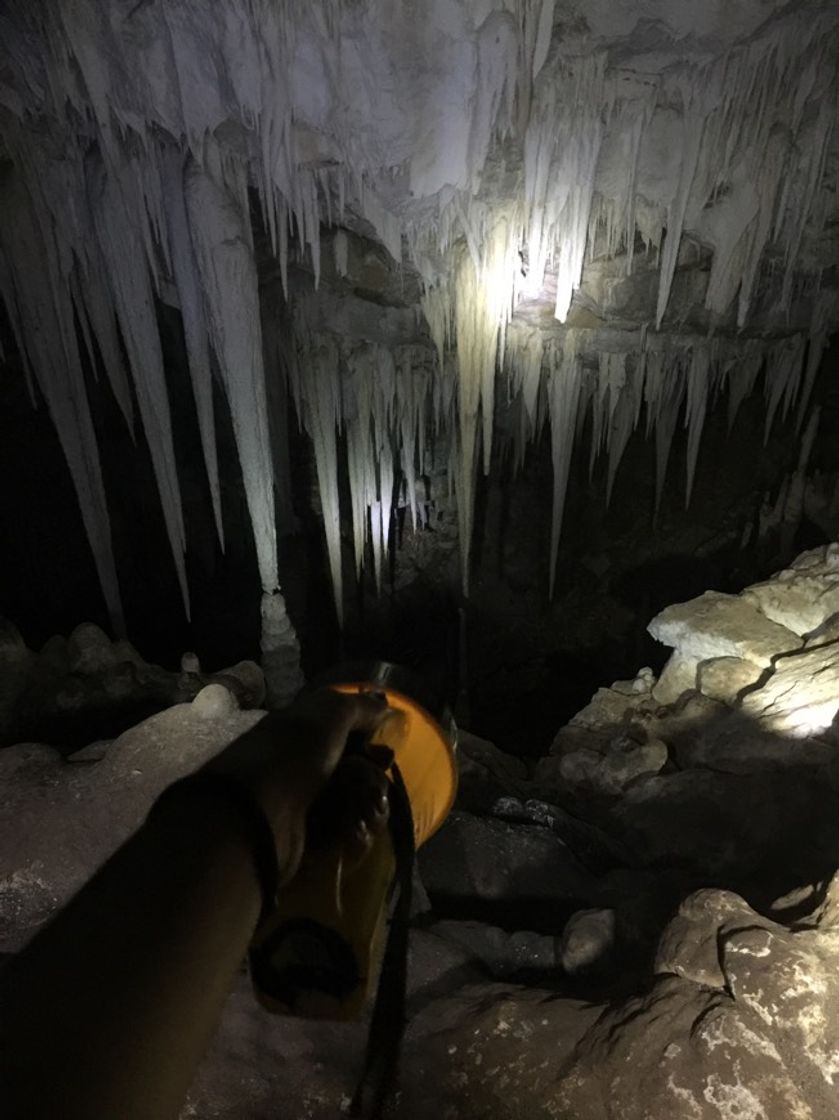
(255, 824)
(375, 1094)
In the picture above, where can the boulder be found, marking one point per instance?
(90, 650)
(588, 941)
(501, 953)
(486, 773)
(59, 820)
(801, 697)
(15, 665)
(610, 772)
(479, 867)
(677, 677)
(770, 827)
(718, 625)
(724, 678)
(800, 602)
(736, 744)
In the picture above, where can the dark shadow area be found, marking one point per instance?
(759, 817)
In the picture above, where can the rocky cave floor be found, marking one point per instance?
(642, 924)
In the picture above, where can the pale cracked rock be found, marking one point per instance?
(688, 1051)
(801, 697)
(689, 946)
(724, 678)
(718, 625)
(741, 1023)
(677, 677)
(804, 596)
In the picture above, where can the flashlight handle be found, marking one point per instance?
(317, 955)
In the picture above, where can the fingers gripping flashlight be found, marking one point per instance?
(321, 953)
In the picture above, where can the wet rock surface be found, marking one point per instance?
(643, 924)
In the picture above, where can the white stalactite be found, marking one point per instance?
(220, 235)
(119, 214)
(38, 301)
(194, 322)
(563, 402)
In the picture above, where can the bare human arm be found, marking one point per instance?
(105, 1015)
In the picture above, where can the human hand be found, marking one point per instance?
(311, 789)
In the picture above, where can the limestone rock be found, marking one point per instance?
(86, 687)
(588, 941)
(683, 1050)
(770, 827)
(501, 953)
(737, 744)
(677, 677)
(606, 772)
(90, 649)
(801, 603)
(60, 820)
(724, 678)
(439, 963)
(215, 700)
(486, 773)
(500, 865)
(717, 625)
(12, 646)
(801, 697)
(15, 665)
(492, 1050)
(689, 946)
(246, 681)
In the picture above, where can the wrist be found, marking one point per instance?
(274, 850)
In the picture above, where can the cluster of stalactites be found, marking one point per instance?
(371, 414)
(564, 377)
(147, 194)
(733, 151)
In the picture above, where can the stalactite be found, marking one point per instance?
(625, 419)
(41, 315)
(563, 402)
(699, 373)
(697, 97)
(118, 213)
(562, 145)
(194, 323)
(320, 410)
(225, 262)
(782, 377)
